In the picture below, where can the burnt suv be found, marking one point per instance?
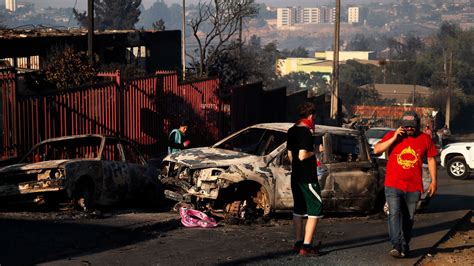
(248, 173)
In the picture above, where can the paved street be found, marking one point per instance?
(141, 238)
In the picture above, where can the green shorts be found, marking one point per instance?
(307, 199)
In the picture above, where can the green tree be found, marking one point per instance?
(67, 69)
(451, 58)
(408, 72)
(112, 14)
(315, 82)
(352, 95)
(356, 73)
(297, 52)
(352, 76)
(406, 49)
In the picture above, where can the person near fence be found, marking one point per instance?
(178, 139)
(407, 147)
(428, 131)
(304, 181)
(443, 135)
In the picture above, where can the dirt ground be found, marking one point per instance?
(457, 248)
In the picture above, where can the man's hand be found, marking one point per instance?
(400, 132)
(432, 189)
(433, 174)
(381, 147)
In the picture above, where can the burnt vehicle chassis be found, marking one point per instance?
(245, 199)
(87, 170)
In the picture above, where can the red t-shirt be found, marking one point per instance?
(405, 161)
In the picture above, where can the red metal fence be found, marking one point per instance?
(141, 110)
(389, 116)
(8, 114)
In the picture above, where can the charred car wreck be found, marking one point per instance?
(90, 169)
(248, 173)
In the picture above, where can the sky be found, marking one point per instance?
(82, 4)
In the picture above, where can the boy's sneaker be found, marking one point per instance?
(297, 246)
(396, 253)
(308, 251)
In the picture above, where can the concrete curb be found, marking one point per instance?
(445, 236)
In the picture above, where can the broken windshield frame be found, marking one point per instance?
(65, 149)
(254, 141)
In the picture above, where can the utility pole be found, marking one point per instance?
(335, 63)
(240, 38)
(90, 30)
(448, 101)
(183, 41)
(414, 92)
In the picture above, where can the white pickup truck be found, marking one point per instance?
(458, 159)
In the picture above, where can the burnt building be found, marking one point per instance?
(150, 50)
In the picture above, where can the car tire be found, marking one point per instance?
(380, 203)
(84, 195)
(385, 208)
(153, 195)
(457, 168)
(252, 207)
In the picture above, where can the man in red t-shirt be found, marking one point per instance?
(407, 147)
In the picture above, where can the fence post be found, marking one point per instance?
(117, 77)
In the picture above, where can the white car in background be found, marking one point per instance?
(458, 159)
(374, 135)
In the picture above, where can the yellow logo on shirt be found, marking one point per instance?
(409, 160)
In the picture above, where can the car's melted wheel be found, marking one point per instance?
(234, 210)
(385, 209)
(253, 207)
(84, 195)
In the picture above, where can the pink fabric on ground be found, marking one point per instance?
(195, 218)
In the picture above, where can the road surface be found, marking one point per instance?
(132, 239)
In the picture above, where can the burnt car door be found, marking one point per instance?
(116, 173)
(352, 181)
(281, 168)
(141, 175)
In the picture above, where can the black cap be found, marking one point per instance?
(409, 119)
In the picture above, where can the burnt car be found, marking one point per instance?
(89, 169)
(248, 173)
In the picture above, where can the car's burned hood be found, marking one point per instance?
(33, 166)
(210, 157)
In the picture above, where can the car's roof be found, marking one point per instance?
(381, 128)
(76, 137)
(284, 126)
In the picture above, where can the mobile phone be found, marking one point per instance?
(404, 133)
